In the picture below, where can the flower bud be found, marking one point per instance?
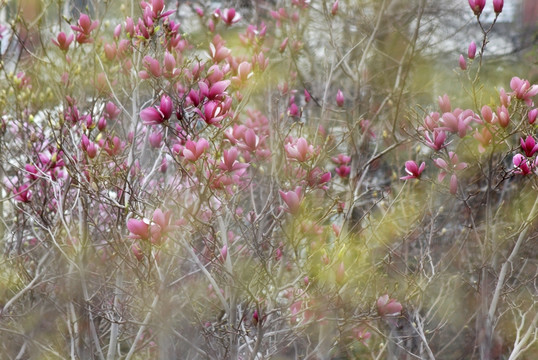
(340, 98)
(471, 52)
(498, 6)
(463, 64)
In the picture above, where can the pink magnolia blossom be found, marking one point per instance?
(292, 199)
(503, 116)
(63, 41)
(139, 229)
(505, 99)
(155, 139)
(213, 112)
(334, 8)
(340, 98)
(111, 110)
(431, 121)
(193, 150)
(230, 16)
(84, 27)
(487, 114)
(437, 140)
(229, 161)
(477, 6)
(471, 52)
(413, 170)
(484, 137)
(532, 115)
(444, 103)
(523, 89)
(343, 171)
(522, 165)
(529, 146)
(388, 307)
(498, 6)
(341, 159)
(453, 165)
(307, 96)
(23, 193)
(300, 150)
(151, 116)
(462, 62)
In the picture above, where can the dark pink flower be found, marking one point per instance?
(413, 170)
(63, 41)
(529, 146)
(477, 6)
(340, 98)
(498, 6)
(151, 116)
(139, 229)
(23, 194)
(522, 165)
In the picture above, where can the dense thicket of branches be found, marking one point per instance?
(265, 179)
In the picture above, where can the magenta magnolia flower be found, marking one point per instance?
(462, 63)
(498, 6)
(437, 140)
(413, 170)
(292, 199)
(477, 6)
(451, 167)
(503, 116)
(529, 146)
(340, 98)
(299, 151)
(63, 41)
(523, 89)
(388, 307)
(532, 115)
(229, 16)
(23, 194)
(139, 229)
(193, 150)
(471, 52)
(522, 165)
(444, 103)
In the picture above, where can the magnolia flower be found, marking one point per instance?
(413, 170)
(444, 103)
(437, 141)
(299, 151)
(529, 146)
(522, 166)
(462, 63)
(193, 150)
(523, 89)
(498, 6)
(532, 115)
(292, 200)
(63, 41)
(340, 98)
(477, 6)
(388, 307)
(471, 52)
